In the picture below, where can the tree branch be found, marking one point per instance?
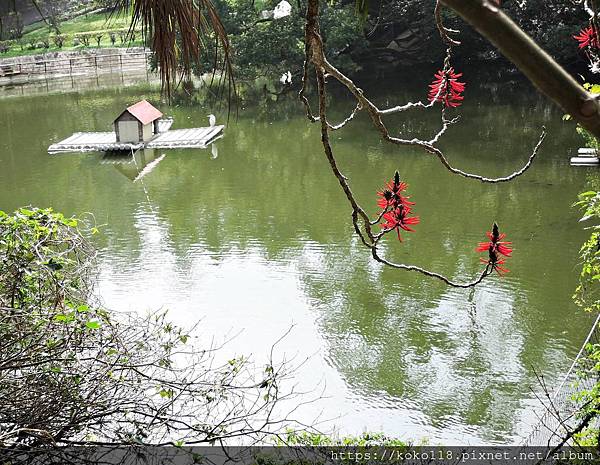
(316, 57)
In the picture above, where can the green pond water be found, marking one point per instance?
(253, 239)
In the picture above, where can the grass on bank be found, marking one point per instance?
(37, 40)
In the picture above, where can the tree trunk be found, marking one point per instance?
(539, 67)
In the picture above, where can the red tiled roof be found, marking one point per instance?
(144, 112)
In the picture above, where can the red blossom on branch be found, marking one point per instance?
(446, 88)
(396, 207)
(495, 248)
(398, 219)
(390, 195)
(587, 38)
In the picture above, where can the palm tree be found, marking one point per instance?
(179, 33)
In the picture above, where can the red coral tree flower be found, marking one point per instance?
(587, 37)
(390, 195)
(495, 247)
(446, 88)
(398, 219)
(396, 207)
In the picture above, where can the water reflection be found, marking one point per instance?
(64, 84)
(135, 165)
(258, 240)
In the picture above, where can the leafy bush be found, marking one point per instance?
(12, 26)
(83, 38)
(59, 40)
(71, 372)
(293, 438)
(45, 260)
(587, 293)
(263, 45)
(587, 297)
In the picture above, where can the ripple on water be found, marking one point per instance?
(258, 240)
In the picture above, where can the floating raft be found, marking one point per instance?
(585, 157)
(186, 138)
(92, 142)
(165, 139)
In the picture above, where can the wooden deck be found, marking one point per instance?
(165, 139)
(91, 142)
(185, 138)
(586, 157)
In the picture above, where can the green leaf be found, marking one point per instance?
(93, 324)
(168, 393)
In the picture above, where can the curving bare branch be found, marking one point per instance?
(315, 57)
(441, 28)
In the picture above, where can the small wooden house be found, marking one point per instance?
(138, 123)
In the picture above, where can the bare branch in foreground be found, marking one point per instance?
(73, 374)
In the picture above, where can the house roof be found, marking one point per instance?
(143, 112)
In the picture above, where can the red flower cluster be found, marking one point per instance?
(587, 38)
(495, 247)
(445, 88)
(396, 207)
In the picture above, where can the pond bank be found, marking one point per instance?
(32, 68)
(81, 83)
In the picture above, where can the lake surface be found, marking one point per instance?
(254, 239)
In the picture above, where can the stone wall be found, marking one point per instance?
(75, 54)
(72, 63)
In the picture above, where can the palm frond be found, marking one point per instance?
(177, 32)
